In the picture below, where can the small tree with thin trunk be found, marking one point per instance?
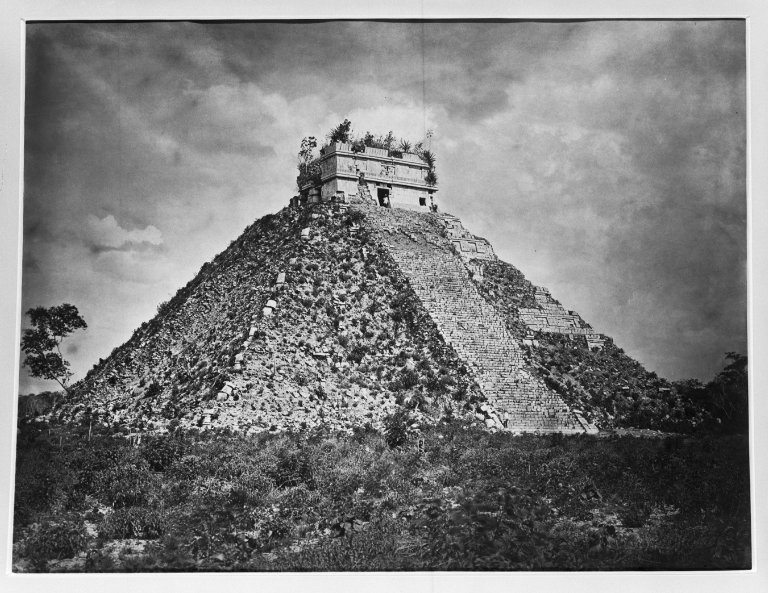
(41, 343)
(341, 133)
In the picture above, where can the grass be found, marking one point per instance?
(462, 499)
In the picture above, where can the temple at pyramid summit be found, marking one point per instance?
(360, 298)
(392, 178)
(439, 258)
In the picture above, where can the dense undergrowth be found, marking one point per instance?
(453, 497)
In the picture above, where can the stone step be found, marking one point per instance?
(467, 321)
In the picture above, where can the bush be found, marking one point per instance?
(123, 485)
(161, 451)
(250, 488)
(396, 428)
(355, 217)
(133, 522)
(54, 541)
(416, 400)
(469, 500)
(409, 378)
(35, 489)
(358, 146)
(499, 529)
(292, 469)
(358, 353)
(98, 561)
(635, 515)
(460, 394)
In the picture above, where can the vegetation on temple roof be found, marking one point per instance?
(309, 169)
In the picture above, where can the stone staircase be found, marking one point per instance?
(364, 193)
(468, 322)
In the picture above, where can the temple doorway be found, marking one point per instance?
(382, 193)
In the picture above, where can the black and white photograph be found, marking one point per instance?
(383, 295)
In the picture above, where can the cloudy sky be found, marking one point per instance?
(605, 160)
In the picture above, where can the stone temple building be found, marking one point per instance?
(392, 178)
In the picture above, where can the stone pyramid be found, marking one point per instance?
(337, 314)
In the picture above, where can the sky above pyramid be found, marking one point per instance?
(605, 160)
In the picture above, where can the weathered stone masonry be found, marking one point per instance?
(422, 245)
(551, 317)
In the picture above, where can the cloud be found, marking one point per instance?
(107, 233)
(131, 267)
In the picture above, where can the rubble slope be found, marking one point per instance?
(302, 321)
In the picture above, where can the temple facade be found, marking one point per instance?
(392, 181)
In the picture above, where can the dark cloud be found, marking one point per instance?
(604, 159)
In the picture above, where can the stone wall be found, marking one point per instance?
(374, 162)
(551, 317)
(467, 245)
(330, 189)
(403, 177)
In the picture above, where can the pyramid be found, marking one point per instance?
(337, 313)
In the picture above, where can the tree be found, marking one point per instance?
(306, 151)
(41, 343)
(724, 401)
(428, 157)
(428, 138)
(309, 171)
(358, 145)
(730, 394)
(389, 140)
(369, 139)
(341, 133)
